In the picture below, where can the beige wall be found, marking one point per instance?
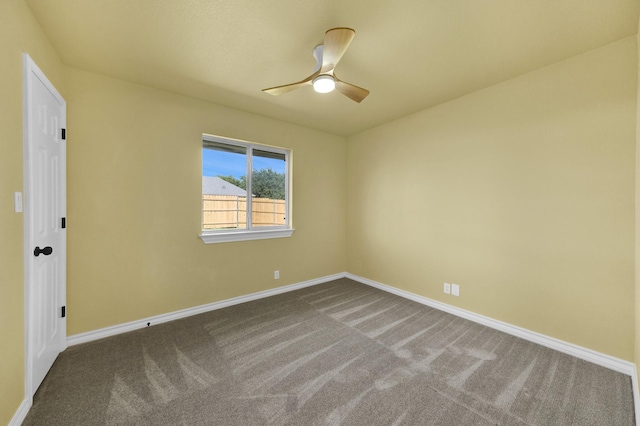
(637, 200)
(522, 193)
(134, 199)
(19, 33)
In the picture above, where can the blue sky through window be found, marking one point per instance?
(220, 163)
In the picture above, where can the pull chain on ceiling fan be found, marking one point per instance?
(323, 79)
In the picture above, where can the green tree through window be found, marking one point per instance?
(266, 184)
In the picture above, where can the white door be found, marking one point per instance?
(45, 227)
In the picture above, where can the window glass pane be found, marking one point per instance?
(268, 186)
(224, 195)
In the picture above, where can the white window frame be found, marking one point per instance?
(259, 233)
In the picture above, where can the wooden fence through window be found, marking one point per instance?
(230, 212)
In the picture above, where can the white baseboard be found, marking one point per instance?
(616, 364)
(603, 360)
(21, 414)
(598, 358)
(171, 316)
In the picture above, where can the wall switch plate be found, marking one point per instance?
(17, 202)
(455, 289)
(447, 288)
(276, 275)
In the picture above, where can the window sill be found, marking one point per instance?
(228, 237)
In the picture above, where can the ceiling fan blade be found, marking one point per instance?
(280, 90)
(336, 42)
(351, 91)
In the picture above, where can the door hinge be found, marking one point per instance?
(63, 312)
(64, 222)
(64, 134)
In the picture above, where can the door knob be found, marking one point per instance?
(46, 251)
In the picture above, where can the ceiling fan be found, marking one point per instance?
(323, 79)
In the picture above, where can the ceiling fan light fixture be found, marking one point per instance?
(328, 54)
(324, 83)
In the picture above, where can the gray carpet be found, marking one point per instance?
(339, 353)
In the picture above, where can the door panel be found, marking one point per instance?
(45, 239)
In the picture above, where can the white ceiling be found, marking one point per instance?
(411, 54)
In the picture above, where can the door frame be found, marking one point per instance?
(29, 67)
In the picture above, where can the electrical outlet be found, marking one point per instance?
(447, 288)
(455, 289)
(276, 275)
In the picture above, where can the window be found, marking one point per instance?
(245, 191)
